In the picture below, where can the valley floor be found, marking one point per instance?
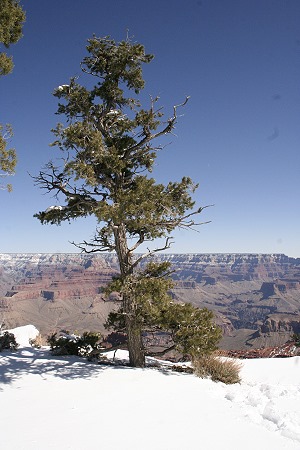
(67, 403)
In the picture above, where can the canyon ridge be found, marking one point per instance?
(255, 297)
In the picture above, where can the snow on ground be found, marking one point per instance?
(50, 402)
(24, 334)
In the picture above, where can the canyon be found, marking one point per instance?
(255, 297)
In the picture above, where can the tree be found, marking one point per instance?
(12, 18)
(192, 330)
(107, 142)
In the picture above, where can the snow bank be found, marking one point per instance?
(24, 334)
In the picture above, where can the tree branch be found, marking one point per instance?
(96, 247)
(162, 352)
(182, 222)
(140, 241)
(152, 252)
(54, 180)
(151, 136)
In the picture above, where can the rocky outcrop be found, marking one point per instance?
(281, 351)
(277, 323)
(278, 287)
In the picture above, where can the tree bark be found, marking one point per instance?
(135, 343)
(133, 328)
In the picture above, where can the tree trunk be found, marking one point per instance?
(133, 329)
(135, 344)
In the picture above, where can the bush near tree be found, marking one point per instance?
(108, 146)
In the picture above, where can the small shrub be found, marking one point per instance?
(296, 339)
(218, 369)
(71, 344)
(8, 341)
(38, 342)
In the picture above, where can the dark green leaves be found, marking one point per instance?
(192, 329)
(12, 18)
(115, 64)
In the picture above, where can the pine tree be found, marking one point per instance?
(12, 18)
(108, 142)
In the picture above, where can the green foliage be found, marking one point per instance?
(8, 157)
(8, 341)
(6, 64)
(116, 64)
(148, 291)
(70, 344)
(12, 18)
(108, 138)
(192, 329)
(218, 369)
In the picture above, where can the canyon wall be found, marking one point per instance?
(254, 296)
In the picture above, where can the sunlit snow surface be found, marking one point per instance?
(66, 403)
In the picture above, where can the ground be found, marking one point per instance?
(67, 403)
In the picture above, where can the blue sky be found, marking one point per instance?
(239, 137)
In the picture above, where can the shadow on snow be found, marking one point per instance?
(14, 365)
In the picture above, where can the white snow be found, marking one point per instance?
(65, 403)
(24, 334)
(113, 112)
(51, 208)
(61, 88)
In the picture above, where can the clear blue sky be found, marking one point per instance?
(239, 60)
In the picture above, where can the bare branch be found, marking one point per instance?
(140, 241)
(96, 247)
(152, 252)
(55, 180)
(151, 136)
(182, 222)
